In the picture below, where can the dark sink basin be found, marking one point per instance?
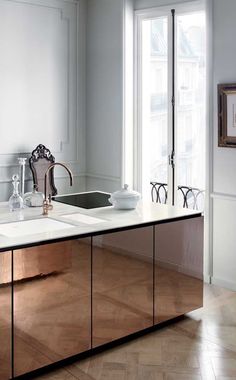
(93, 199)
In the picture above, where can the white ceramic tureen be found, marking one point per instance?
(125, 199)
(34, 199)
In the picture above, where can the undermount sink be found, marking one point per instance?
(31, 227)
(84, 219)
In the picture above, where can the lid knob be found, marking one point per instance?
(126, 186)
(15, 178)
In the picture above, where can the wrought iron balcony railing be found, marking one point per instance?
(188, 197)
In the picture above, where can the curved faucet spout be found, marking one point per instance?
(46, 203)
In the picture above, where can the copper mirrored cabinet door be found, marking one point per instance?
(52, 303)
(122, 288)
(5, 315)
(178, 268)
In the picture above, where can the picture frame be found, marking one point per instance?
(227, 115)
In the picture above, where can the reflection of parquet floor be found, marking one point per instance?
(202, 346)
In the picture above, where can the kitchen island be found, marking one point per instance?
(121, 273)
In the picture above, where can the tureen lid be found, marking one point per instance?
(125, 193)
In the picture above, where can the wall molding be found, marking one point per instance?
(80, 175)
(15, 164)
(72, 121)
(74, 166)
(103, 177)
(224, 196)
(7, 170)
(42, 3)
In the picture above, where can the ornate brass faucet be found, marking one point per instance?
(47, 201)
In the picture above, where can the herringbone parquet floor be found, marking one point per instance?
(202, 346)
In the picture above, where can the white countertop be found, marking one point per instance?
(108, 219)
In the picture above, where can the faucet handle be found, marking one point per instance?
(50, 207)
(46, 207)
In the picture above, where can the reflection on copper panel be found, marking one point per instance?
(51, 303)
(122, 284)
(178, 268)
(5, 315)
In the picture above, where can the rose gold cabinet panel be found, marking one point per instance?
(52, 313)
(122, 284)
(37, 261)
(5, 316)
(178, 268)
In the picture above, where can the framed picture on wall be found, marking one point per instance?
(227, 115)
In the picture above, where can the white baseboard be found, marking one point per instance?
(207, 278)
(223, 283)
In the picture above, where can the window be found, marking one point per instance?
(170, 99)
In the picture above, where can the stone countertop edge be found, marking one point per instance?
(146, 214)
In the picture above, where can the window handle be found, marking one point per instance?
(172, 159)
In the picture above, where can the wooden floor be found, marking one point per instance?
(202, 346)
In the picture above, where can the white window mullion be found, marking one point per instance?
(170, 131)
(138, 105)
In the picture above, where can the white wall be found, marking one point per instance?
(104, 94)
(224, 159)
(41, 61)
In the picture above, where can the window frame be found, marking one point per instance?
(139, 17)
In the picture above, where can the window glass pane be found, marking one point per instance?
(154, 103)
(190, 107)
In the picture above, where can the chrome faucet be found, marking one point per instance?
(47, 201)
